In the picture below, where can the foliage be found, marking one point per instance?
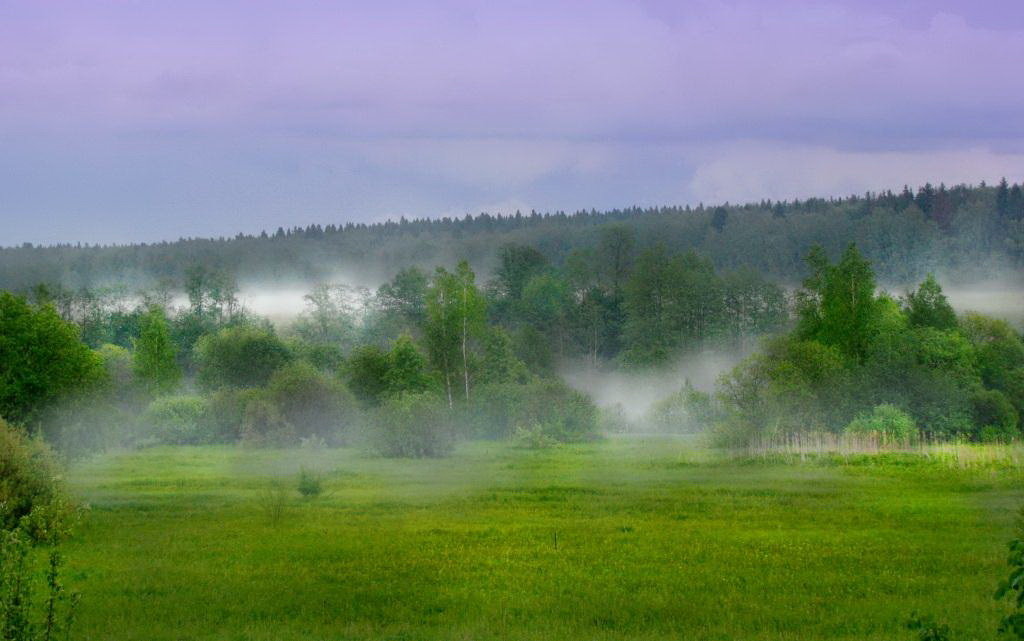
(263, 425)
(928, 307)
(310, 484)
(330, 316)
(885, 420)
(177, 420)
(1013, 586)
(312, 403)
(31, 494)
(41, 358)
(687, 410)
(366, 374)
(837, 305)
(560, 412)
(240, 356)
(155, 356)
(995, 415)
(412, 426)
(19, 602)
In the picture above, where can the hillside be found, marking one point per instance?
(964, 232)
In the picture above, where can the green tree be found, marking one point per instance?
(518, 264)
(155, 357)
(41, 358)
(928, 306)
(366, 374)
(240, 356)
(456, 315)
(406, 368)
(838, 305)
(405, 296)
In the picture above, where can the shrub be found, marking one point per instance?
(312, 403)
(563, 413)
(310, 484)
(240, 356)
(224, 419)
(886, 421)
(263, 425)
(177, 420)
(533, 437)
(688, 410)
(994, 415)
(412, 425)
(31, 494)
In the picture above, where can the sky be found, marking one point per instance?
(144, 120)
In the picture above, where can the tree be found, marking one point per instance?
(518, 264)
(472, 315)
(456, 314)
(240, 356)
(443, 326)
(837, 305)
(41, 359)
(405, 296)
(406, 368)
(366, 372)
(155, 357)
(616, 250)
(1003, 199)
(329, 316)
(312, 403)
(719, 218)
(928, 306)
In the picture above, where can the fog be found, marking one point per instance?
(999, 298)
(636, 392)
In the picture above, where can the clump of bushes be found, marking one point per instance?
(312, 403)
(177, 420)
(33, 511)
(687, 411)
(995, 415)
(412, 425)
(884, 421)
(31, 494)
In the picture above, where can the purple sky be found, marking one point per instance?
(143, 120)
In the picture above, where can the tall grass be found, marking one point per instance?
(951, 452)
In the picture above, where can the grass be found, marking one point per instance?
(630, 538)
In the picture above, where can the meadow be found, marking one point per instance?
(626, 538)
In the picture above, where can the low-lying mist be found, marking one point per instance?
(636, 392)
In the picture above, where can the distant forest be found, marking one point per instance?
(962, 232)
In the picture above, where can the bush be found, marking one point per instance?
(31, 494)
(41, 359)
(263, 425)
(224, 420)
(310, 484)
(312, 403)
(563, 413)
(240, 356)
(886, 421)
(686, 411)
(994, 416)
(533, 437)
(412, 425)
(177, 420)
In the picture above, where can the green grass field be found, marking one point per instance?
(623, 539)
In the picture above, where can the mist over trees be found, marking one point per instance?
(446, 352)
(965, 230)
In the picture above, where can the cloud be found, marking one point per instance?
(217, 117)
